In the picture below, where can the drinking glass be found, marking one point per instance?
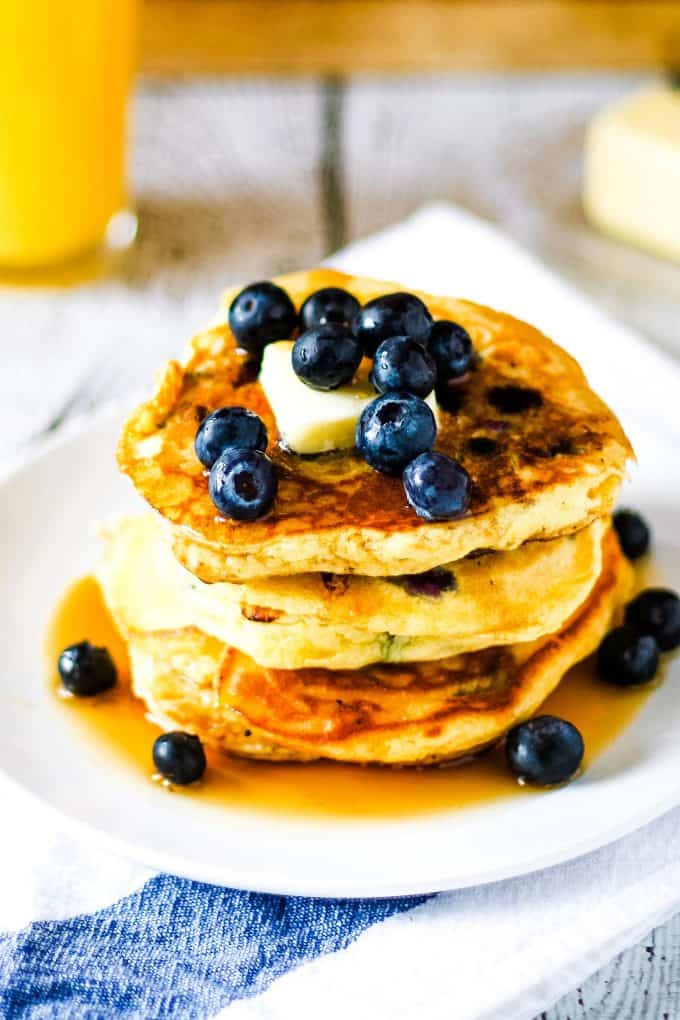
(65, 75)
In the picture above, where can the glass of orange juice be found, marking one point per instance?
(65, 77)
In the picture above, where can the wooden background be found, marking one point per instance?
(378, 36)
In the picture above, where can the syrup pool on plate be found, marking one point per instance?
(117, 721)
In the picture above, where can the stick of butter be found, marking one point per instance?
(314, 421)
(631, 186)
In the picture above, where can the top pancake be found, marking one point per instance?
(552, 467)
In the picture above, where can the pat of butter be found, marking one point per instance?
(314, 421)
(632, 171)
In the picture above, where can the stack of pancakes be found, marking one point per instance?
(342, 625)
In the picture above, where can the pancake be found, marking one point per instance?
(399, 715)
(346, 622)
(545, 455)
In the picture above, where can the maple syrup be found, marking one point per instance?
(117, 719)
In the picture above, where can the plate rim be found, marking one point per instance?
(265, 882)
(271, 881)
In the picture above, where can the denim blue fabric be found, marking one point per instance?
(175, 948)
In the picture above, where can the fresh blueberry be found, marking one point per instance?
(243, 484)
(627, 658)
(179, 757)
(326, 357)
(330, 304)
(402, 364)
(260, 314)
(634, 534)
(229, 427)
(437, 487)
(451, 347)
(392, 315)
(86, 670)
(656, 611)
(393, 429)
(544, 750)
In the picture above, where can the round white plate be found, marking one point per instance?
(49, 508)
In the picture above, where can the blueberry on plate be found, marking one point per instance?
(656, 611)
(392, 315)
(326, 357)
(544, 750)
(437, 487)
(179, 757)
(627, 658)
(86, 670)
(260, 314)
(634, 534)
(393, 429)
(229, 427)
(402, 364)
(243, 484)
(451, 347)
(330, 304)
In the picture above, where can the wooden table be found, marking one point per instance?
(356, 36)
(240, 179)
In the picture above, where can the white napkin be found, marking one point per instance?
(444, 250)
(499, 952)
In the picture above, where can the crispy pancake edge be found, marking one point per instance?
(563, 495)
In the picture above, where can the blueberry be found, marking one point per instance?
(260, 314)
(393, 429)
(179, 757)
(634, 534)
(656, 611)
(450, 395)
(544, 750)
(326, 357)
(430, 584)
(437, 487)
(451, 347)
(402, 364)
(229, 427)
(243, 484)
(512, 399)
(392, 315)
(482, 446)
(330, 304)
(86, 670)
(627, 658)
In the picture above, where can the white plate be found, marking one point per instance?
(48, 511)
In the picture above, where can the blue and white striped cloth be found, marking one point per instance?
(87, 935)
(84, 934)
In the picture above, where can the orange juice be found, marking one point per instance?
(65, 75)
